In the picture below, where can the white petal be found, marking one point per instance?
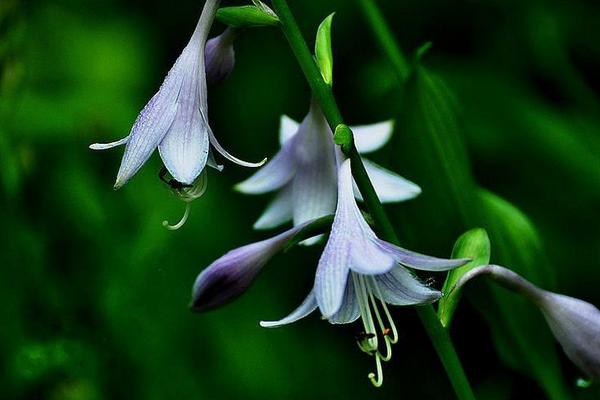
(278, 212)
(308, 305)
(104, 146)
(185, 148)
(399, 287)
(332, 273)
(229, 156)
(156, 118)
(369, 138)
(272, 176)
(349, 312)
(419, 261)
(389, 186)
(287, 129)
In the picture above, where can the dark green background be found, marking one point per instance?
(94, 291)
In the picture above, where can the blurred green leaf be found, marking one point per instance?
(323, 52)
(473, 244)
(246, 17)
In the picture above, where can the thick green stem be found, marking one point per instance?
(324, 96)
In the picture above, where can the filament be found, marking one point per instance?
(377, 378)
(181, 222)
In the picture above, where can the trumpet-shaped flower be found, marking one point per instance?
(305, 171)
(220, 56)
(175, 120)
(574, 323)
(358, 274)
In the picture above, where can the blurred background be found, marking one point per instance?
(95, 291)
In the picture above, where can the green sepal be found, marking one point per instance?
(247, 16)
(473, 244)
(323, 52)
(343, 137)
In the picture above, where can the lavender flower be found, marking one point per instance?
(175, 119)
(229, 276)
(574, 323)
(304, 171)
(358, 274)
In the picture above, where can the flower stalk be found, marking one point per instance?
(323, 94)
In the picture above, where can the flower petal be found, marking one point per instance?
(399, 287)
(368, 138)
(104, 146)
(349, 312)
(212, 162)
(390, 187)
(308, 305)
(287, 129)
(419, 261)
(272, 176)
(184, 150)
(332, 273)
(278, 212)
(230, 157)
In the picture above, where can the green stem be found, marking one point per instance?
(384, 36)
(324, 96)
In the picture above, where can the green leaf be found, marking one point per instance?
(323, 52)
(473, 244)
(247, 16)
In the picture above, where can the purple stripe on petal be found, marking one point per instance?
(420, 261)
(399, 287)
(349, 311)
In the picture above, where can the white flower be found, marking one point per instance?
(175, 120)
(304, 171)
(358, 274)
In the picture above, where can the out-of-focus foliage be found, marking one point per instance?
(95, 290)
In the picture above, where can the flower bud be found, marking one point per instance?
(229, 276)
(220, 57)
(574, 323)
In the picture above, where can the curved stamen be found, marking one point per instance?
(181, 222)
(377, 380)
(229, 156)
(370, 343)
(392, 326)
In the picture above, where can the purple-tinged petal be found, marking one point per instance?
(419, 261)
(278, 212)
(349, 311)
(366, 255)
(219, 57)
(287, 129)
(230, 275)
(369, 138)
(104, 146)
(272, 176)
(229, 156)
(308, 306)
(576, 325)
(184, 150)
(399, 287)
(389, 186)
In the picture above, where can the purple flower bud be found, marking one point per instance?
(574, 323)
(219, 56)
(229, 276)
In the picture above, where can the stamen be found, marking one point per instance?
(369, 345)
(181, 222)
(377, 382)
(394, 337)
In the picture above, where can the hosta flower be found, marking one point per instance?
(220, 56)
(175, 120)
(304, 171)
(574, 323)
(229, 276)
(358, 274)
